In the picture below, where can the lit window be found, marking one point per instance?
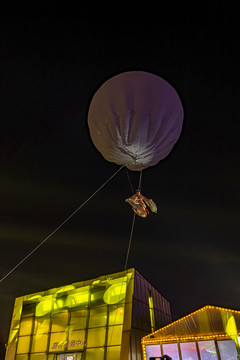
(116, 314)
(78, 319)
(60, 321)
(227, 349)
(206, 348)
(26, 326)
(172, 351)
(98, 316)
(114, 335)
(153, 351)
(96, 337)
(23, 344)
(151, 311)
(115, 293)
(113, 352)
(189, 350)
(39, 343)
(41, 325)
(96, 354)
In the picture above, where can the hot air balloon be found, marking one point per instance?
(134, 119)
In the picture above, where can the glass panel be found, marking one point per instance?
(171, 350)
(98, 317)
(60, 321)
(22, 357)
(97, 296)
(114, 335)
(41, 326)
(128, 317)
(51, 357)
(116, 315)
(151, 311)
(57, 341)
(78, 319)
(115, 293)
(227, 349)
(28, 310)
(78, 298)
(96, 337)
(26, 326)
(207, 350)
(189, 350)
(59, 304)
(39, 343)
(70, 356)
(23, 344)
(94, 354)
(113, 352)
(38, 356)
(76, 340)
(153, 351)
(44, 306)
(17, 311)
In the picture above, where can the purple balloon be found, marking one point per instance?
(134, 119)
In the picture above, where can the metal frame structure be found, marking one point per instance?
(210, 333)
(101, 319)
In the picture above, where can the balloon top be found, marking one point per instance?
(135, 118)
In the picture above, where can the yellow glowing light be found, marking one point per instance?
(115, 293)
(13, 334)
(230, 326)
(45, 306)
(151, 310)
(77, 299)
(59, 316)
(183, 338)
(65, 288)
(58, 304)
(34, 297)
(95, 282)
(158, 332)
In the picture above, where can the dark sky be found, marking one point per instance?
(51, 64)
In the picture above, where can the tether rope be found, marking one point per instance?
(132, 228)
(64, 222)
(129, 180)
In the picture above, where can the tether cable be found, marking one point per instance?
(129, 180)
(140, 181)
(132, 228)
(130, 240)
(64, 222)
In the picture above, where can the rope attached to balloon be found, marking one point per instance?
(64, 222)
(133, 223)
(135, 118)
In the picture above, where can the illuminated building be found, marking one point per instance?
(99, 319)
(210, 333)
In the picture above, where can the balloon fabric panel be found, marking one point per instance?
(134, 119)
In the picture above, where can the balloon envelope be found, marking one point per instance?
(135, 118)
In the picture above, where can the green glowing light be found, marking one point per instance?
(115, 293)
(45, 306)
(77, 299)
(34, 297)
(65, 288)
(151, 311)
(58, 304)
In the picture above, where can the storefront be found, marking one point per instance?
(210, 333)
(101, 319)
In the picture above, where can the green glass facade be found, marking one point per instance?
(100, 319)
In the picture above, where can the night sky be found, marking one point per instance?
(51, 64)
